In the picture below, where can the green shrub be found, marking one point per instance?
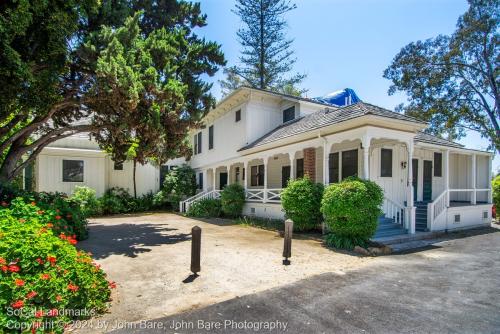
(206, 208)
(495, 185)
(233, 200)
(179, 184)
(301, 201)
(116, 200)
(87, 200)
(43, 276)
(55, 205)
(351, 209)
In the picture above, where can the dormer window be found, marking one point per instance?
(288, 114)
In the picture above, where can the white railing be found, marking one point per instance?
(273, 195)
(394, 211)
(212, 194)
(437, 207)
(255, 195)
(473, 194)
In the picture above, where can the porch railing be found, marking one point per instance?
(184, 205)
(394, 211)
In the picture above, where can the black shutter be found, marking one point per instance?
(261, 175)
(199, 142)
(438, 164)
(300, 168)
(333, 167)
(386, 162)
(254, 176)
(211, 137)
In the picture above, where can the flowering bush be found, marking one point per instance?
(85, 197)
(44, 280)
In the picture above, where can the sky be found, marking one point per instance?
(347, 43)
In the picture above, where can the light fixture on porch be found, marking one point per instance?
(403, 164)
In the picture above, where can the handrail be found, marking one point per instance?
(437, 207)
(184, 205)
(394, 210)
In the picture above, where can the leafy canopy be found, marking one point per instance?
(453, 81)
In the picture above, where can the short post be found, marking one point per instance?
(287, 247)
(195, 249)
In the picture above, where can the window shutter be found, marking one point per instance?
(438, 164)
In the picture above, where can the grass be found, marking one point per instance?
(266, 224)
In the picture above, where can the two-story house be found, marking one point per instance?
(262, 139)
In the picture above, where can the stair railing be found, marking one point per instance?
(184, 205)
(394, 211)
(436, 208)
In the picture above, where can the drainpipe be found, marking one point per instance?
(325, 170)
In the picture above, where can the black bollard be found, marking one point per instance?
(195, 249)
(287, 247)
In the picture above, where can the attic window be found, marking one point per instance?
(238, 115)
(288, 114)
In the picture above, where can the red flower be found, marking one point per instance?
(2, 260)
(33, 203)
(73, 288)
(22, 220)
(58, 298)
(51, 259)
(31, 294)
(19, 282)
(39, 314)
(53, 312)
(45, 276)
(4, 268)
(14, 268)
(72, 241)
(112, 285)
(62, 236)
(17, 304)
(58, 217)
(39, 260)
(50, 225)
(4, 204)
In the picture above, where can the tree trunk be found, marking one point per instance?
(133, 177)
(262, 53)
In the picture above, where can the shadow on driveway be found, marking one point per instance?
(128, 239)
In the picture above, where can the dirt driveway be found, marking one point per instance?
(148, 256)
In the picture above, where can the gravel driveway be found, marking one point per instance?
(148, 256)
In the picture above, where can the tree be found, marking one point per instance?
(266, 57)
(452, 81)
(121, 70)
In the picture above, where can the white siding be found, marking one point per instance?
(147, 177)
(437, 182)
(460, 176)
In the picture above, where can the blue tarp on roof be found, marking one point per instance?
(340, 98)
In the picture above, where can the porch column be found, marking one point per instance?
(244, 175)
(490, 171)
(291, 156)
(205, 180)
(228, 167)
(265, 178)
(411, 208)
(365, 141)
(473, 176)
(215, 179)
(447, 176)
(326, 162)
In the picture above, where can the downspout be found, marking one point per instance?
(325, 169)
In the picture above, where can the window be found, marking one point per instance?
(257, 175)
(72, 170)
(199, 142)
(195, 144)
(243, 176)
(118, 165)
(300, 168)
(200, 180)
(386, 162)
(210, 137)
(333, 167)
(288, 114)
(349, 163)
(438, 164)
(237, 174)
(285, 176)
(238, 115)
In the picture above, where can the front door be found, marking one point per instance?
(222, 180)
(285, 176)
(414, 180)
(427, 188)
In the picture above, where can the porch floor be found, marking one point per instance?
(459, 203)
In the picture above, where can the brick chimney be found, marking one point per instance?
(310, 163)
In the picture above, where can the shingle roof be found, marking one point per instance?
(324, 118)
(299, 98)
(430, 139)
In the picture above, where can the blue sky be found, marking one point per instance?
(347, 43)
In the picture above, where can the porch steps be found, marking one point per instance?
(387, 228)
(421, 216)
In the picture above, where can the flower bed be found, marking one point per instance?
(45, 282)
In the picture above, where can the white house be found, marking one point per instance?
(261, 139)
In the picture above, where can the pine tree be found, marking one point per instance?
(266, 57)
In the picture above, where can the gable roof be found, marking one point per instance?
(324, 118)
(292, 97)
